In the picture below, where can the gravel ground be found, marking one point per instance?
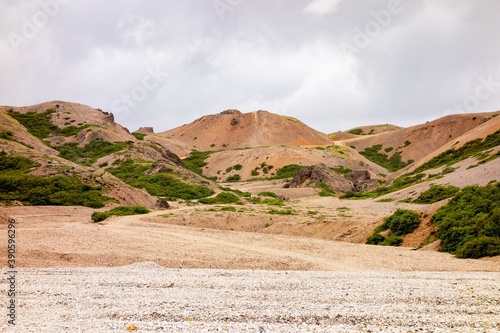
(155, 299)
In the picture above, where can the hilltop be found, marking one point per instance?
(233, 129)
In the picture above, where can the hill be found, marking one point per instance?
(73, 141)
(233, 129)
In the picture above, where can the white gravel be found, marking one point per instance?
(157, 299)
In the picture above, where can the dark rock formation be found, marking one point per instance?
(231, 111)
(162, 204)
(321, 174)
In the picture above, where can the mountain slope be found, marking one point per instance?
(241, 130)
(417, 142)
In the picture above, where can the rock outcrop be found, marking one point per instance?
(321, 174)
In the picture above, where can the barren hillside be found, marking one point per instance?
(241, 130)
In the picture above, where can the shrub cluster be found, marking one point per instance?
(119, 211)
(16, 184)
(393, 163)
(401, 223)
(160, 184)
(196, 161)
(91, 152)
(436, 193)
(469, 226)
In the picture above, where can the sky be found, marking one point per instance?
(333, 64)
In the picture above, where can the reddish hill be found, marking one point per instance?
(419, 141)
(241, 130)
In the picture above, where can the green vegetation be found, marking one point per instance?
(393, 163)
(39, 124)
(469, 149)
(228, 209)
(17, 184)
(237, 167)
(119, 211)
(407, 143)
(139, 136)
(288, 171)
(469, 226)
(222, 198)
(233, 178)
(160, 184)
(334, 148)
(388, 149)
(268, 194)
(361, 195)
(326, 191)
(91, 152)
(436, 193)
(196, 161)
(357, 131)
(281, 212)
(238, 192)
(401, 223)
(7, 136)
(342, 170)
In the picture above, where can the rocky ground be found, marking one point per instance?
(145, 297)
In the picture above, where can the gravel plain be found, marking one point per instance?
(146, 297)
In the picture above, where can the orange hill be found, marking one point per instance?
(233, 129)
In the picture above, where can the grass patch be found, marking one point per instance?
(268, 194)
(342, 170)
(91, 152)
(139, 136)
(119, 211)
(40, 125)
(196, 161)
(357, 131)
(326, 191)
(233, 178)
(281, 212)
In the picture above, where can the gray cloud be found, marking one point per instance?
(333, 64)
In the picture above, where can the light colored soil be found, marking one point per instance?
(65, 237)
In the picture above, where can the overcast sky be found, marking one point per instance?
(334, 64)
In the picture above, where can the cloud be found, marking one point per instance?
(322, 7)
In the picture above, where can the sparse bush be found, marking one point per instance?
(233, 178)
(393, 163)
(282, 212)
(222, 198)
(119, 211)
(139, 136)
(237, 167)
(356, 131)
(326, 191)
(342, 170)
(268, 194)
(91, 152)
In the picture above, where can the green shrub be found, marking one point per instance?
(436, 193)
(288, 171)
(474, 213)
(233, 178)
(139, 136)
(237, 167)
(7, 136)
(375, 239)
(402, 222)
(356, 131)
(282, 212)
(326, 191)
(268, 194)
(119, 211)
(222, 198)
(482, 246)
(342, 170)
(228, 209)
(254, 173)
(392, 240)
